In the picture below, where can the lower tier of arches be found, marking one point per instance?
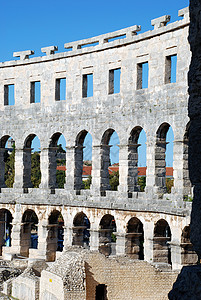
(41, 232)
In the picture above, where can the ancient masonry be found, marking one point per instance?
(150, 225)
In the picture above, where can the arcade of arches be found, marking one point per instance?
(42, 232)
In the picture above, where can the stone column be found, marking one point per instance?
(148, 241)
(120, 243)
(44, 168)
(160, 167)
(19, 168)
(42, 239)
(78, 184)
(70, 168)
(150, 172)
(52, 167)
(96, 169)
(2, 168)
(94, 239)
(123, 169)
(68, 237)
(27, 168)
(176, 256)
(105, 162)
(182, 184)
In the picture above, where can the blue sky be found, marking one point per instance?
(25, 25)
(43, 23)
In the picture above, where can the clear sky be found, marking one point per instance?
(33, 25)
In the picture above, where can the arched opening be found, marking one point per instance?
(135, 239)
(57, 161)
(188, 255)
(29, 232)
(186, 180)
(31, 161)
(161, 246)
(137, 160)
(81, 234)
(83, 163)
(109, 160)
(7, 161)
(5, 228)
(107, 239)
(55, 234)
(164, 158)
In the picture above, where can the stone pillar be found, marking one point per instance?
(27, 168)
(160, 167)
(16, 237)
(48, 167)
(2, 168)
(96, 169)
(52, 167)
(44, 168)
(120, 243)
(78, 184)
(68, 237)
(150, 172)
(123, 169)
(182, 184)
(133, 168)
(42, 239)
(70, 168)
(19, 168)
(148, 241)
(94, 239)
(176, 256)
(105, 162)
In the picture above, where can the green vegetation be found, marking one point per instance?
(35, 169)
(142, 183)
(114, 180)
(87, 183)
(60, 178)
(169, 184)
(9, 167)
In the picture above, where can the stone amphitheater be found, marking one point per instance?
(98, 243)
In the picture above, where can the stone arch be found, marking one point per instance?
(186, 180)
(161, 246)
(29, 232)
(160, 154)
(188, 255)
(5, 228)
(27, 162)
(81, 226)
(133, 144)
(55, 234)
(135, 239)
(52, 157)
(105, 159)
(5, 153)
(79, 147)
(107, 239)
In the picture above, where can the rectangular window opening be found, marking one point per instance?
(142, 75)
(60, 90)
(171, 69)
(35, 92)
(87, 85)
(114, 81)
(9, 94)
(101, 292)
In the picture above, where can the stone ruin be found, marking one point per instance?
(136, 230)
